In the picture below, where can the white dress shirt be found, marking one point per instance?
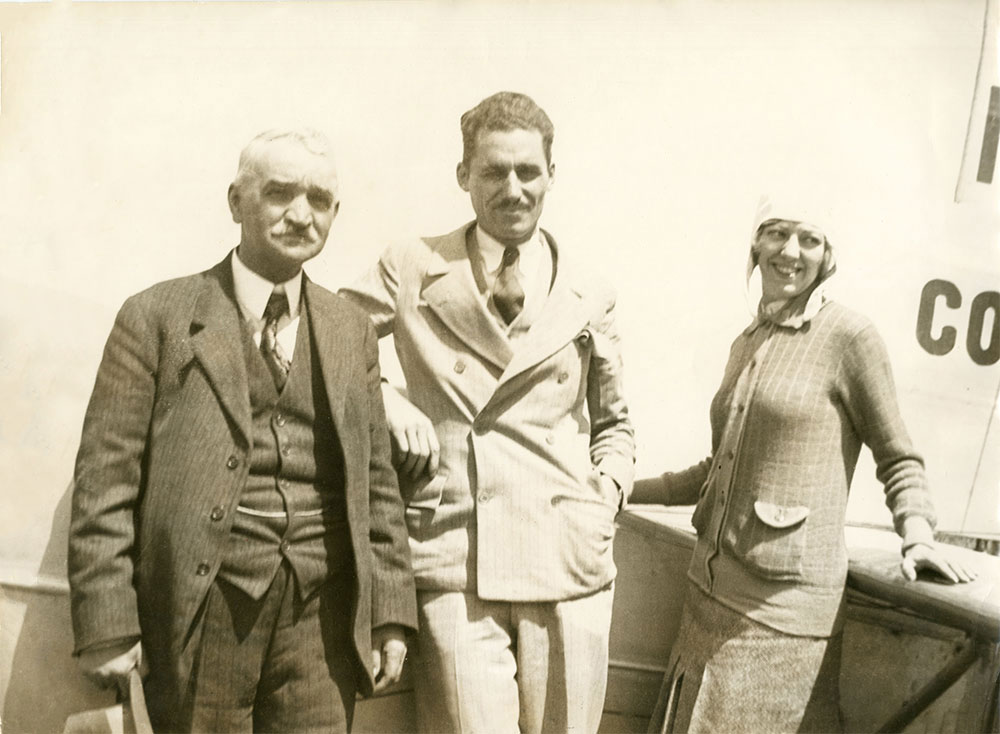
(534, 264)
(252, 294)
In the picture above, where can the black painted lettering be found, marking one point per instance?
(945, 342)
(982, 304)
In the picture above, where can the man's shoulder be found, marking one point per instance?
(583, 277)
(419, 250)
(172, 294)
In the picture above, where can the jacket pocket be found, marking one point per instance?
(771, 540)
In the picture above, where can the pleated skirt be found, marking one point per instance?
(728, 673)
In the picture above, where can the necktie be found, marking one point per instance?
(274, 356)
(508, 295)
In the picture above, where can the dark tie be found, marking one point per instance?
(508, 295)
(274, 313)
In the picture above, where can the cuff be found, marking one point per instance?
(916, 530)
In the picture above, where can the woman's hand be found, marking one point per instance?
(928, 556)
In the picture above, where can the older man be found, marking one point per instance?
(237, 527)
(517, 449)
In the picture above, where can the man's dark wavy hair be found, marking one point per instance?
(505, 111)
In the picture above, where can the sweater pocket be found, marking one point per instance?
(771, 540)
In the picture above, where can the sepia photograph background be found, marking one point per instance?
(121, 124)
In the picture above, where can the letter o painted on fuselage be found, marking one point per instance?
(982, 304)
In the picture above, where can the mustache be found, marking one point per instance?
(513, 205)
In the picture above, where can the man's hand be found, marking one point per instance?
(927, 556)
(388, 654)
(415, 447)
(110, 666)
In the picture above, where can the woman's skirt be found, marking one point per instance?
(728, 673)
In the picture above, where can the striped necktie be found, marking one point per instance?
(275, 315)
(508, 295)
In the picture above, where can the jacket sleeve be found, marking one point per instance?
(108, 481)
(869, 395)
(612, 441)
(673, 488)
(376, 291)
(393, 592)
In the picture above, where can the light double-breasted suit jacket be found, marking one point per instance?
(517, 510)
(165, 455)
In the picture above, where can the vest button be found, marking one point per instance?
(202, 569)
(285, 545)
(217, 513)
(285, 450)
(232, 462)
(279, 419)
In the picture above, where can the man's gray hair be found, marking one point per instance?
(312, 140)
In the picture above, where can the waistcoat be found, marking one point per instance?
(293, 505)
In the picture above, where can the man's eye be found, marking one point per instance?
(320, 201)
(278, 194)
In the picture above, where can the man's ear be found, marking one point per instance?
(462, 174)
(552, 176)
(234, 202)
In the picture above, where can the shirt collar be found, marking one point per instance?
(254, 290)
(492, 251)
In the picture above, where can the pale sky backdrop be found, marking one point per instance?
(121, 124)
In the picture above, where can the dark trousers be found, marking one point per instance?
(274, 664)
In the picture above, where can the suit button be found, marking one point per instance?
(459, 366)
(280, 419)
(203, 569)
(232, 462)
(217, 513)
(563, 376)
(285, 545)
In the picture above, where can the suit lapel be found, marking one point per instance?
(561, 319)
(450, 291)
(329, 343)
(218, 346)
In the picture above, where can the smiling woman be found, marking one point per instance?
(807, 383)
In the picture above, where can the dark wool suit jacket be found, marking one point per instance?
(165, 446)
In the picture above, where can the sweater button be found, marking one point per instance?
(217, 513)
(232, 462)
(202, 569)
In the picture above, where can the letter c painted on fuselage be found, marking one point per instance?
(945, 342)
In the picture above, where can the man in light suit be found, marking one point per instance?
(237, 527)
(516, 450)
